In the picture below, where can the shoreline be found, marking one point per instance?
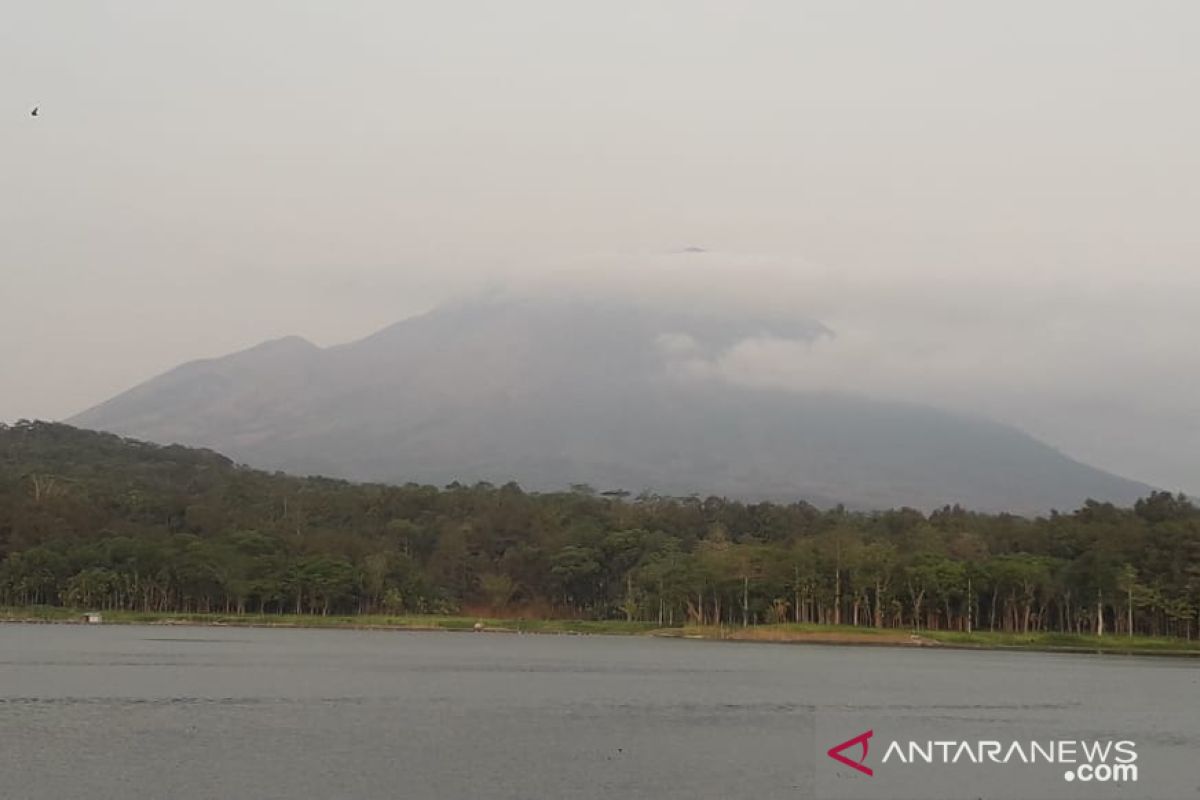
(835, 636)
(941, 640)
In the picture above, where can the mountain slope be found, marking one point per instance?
(552, 393)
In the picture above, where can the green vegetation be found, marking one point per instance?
(94, 521)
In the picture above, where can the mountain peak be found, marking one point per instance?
(284, 345)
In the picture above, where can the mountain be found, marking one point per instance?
(550, 393)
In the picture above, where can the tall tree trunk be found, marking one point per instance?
(745, 601)
(878, 606)
(970, 604)
(796, 587)
(1130, 623)
(628, 596)
(837, 594)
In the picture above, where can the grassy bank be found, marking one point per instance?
(1066, 642)
(359, 621)
(798, 633)
(982, 640)
(785, 633)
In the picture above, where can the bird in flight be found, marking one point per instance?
(34, 112)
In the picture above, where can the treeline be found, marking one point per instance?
(91, 520)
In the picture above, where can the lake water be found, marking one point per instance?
(108, 712)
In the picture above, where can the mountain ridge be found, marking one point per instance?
(551, 393)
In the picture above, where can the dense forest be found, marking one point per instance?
(92, 520)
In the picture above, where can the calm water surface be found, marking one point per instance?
(108, 712)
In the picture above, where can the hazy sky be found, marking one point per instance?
(996, 207)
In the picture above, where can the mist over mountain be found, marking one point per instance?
(554, 392)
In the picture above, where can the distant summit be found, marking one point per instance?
(554, 393)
